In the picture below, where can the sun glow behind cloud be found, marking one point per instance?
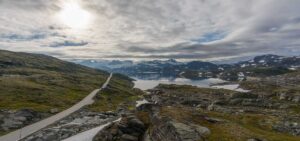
(74, 16)
(184, 29)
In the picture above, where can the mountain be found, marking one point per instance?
(271, 61)
(264, 65)
(105, 64)
(41, 82)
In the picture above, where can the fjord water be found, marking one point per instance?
(144, 83)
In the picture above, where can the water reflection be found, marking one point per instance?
(150, 82)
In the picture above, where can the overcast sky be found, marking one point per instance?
(151, 29)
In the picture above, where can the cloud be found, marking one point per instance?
(209, 37)
(185, 29)
(23, 37)
(68, 43)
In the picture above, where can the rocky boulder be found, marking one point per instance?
(169, 130)
(16, 119)
(288, 126)
(129, 128)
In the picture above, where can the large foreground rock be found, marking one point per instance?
(168, 130)
(130, 128)
(10, 120)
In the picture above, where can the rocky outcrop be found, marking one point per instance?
(10, 120)
(129, 128)
(290, 97)
(169, 130)
(288, 126)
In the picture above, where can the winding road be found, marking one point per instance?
(28, 130)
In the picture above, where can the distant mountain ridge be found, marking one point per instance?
(194, 69)
(272, 61)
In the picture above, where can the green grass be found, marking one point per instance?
(46, 90)
(183, 89)
(120, 93)
(40, 82)
(234, 128)
(3, 133)
(253, 125)
(295, 109)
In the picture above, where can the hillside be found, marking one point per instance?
(268, 112)
(33, 87)
(40, 82)
(184, 112)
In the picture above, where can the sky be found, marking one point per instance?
(212, 30)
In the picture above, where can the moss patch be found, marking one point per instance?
(234, 128)
(119, 93)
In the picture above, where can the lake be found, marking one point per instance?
(145, 84)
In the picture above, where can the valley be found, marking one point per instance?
(149, 70)
(263, 106)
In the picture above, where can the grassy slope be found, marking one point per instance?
(41, 82)
(289, 83)
(237, 127)
(120, 93)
